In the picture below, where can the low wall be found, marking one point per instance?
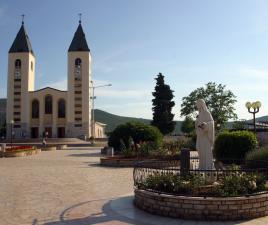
(199, 208)
(125, 162)
(49, 148)
(117, 162)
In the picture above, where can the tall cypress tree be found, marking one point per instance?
(162, 106)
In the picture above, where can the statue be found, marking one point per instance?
(204, 126)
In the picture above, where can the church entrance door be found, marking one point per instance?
(61, 132)
(34, 132)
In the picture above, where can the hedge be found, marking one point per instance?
(138, 131)
(234, 145)
(257, 158)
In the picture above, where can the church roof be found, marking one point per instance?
(22, 42)
(79, 42)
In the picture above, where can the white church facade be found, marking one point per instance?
(32, 113)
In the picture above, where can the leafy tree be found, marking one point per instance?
(239, 125)
(162, 106)
(219, 101)
(188, 125)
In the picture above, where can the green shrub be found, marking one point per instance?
(257, 158)
(174, 147)
(234, 145)
(172, 183)
(139, 132)
(241, 184)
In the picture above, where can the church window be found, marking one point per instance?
(78, 67)
(32, 65)
(18, 69)
(48, 104)
(35, 109)
(61, 108)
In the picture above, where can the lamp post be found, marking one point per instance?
(93, 97)
(11, 129)
(255, 106)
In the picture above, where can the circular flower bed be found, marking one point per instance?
(233, 193)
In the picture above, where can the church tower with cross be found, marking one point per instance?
(49, 112)
(79, 84)
(21, 74)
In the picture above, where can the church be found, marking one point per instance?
(54, 113)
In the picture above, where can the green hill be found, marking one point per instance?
(113, 121)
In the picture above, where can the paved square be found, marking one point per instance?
(69, 187)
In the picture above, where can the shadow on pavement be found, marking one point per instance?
(107, 215)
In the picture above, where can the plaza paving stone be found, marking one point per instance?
(69, 187)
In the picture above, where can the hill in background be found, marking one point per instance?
(113, 121)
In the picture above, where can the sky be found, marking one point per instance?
(190, 42)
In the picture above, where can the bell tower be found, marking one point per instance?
(21, 72)
(79, 82)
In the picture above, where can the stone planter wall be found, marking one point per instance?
(121, 162)
(117, 162)
(199, 208)
(20, 153)
(49, 148)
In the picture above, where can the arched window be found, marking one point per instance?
(35, 109)
(78, 62)
(17, 69)
(78, 68)
(31, 65)
(61, 108)
(48, 104)
(18, 63)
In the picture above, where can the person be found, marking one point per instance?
(204, 126)
(44, 142)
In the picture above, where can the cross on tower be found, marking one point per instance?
(22, 18)
(80, 16)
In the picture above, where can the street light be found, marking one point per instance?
(11, 127)
(92, 112)
(255, 109)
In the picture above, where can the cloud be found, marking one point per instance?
(117, 93)
(60, 84)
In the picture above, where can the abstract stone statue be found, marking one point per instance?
(204, 126)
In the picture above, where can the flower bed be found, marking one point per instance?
(163, 188)
(19, 151)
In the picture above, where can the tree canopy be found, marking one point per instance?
(162, 106)
(219, 101)
(188, 125)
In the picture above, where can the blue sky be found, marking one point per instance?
(190, 42)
